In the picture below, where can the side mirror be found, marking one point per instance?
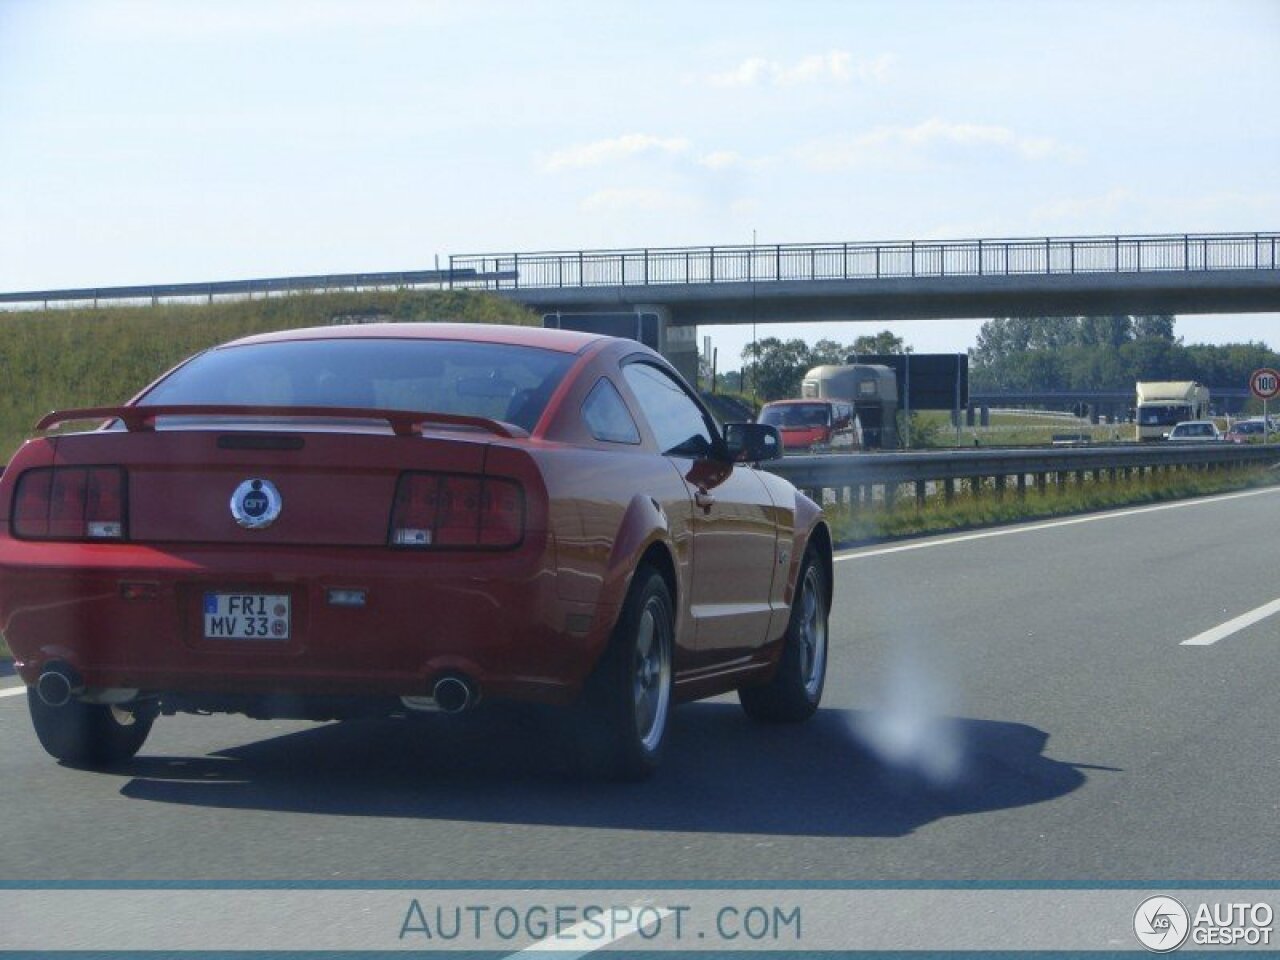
(752, 442)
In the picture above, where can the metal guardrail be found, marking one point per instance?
(263, 286)
(854, 478)
(865, 261)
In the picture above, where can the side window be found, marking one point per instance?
(607, 416)
(677, 422)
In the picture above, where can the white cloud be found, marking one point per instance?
(836, 66)
(902, 142)
(609, 151)
(630, 199)
(721, 159)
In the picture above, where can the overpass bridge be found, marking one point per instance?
(798, 283)
(661, 294)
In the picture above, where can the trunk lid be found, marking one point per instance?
(336, 486)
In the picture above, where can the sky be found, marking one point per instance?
(186, 140)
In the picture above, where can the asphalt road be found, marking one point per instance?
(1012, 705)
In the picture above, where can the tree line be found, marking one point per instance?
(1103, 353)
(773, 368)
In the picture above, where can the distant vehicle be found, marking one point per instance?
(1194, 430)
(814, 424)
(1245, 430)
(1164, 403)
(871, 388)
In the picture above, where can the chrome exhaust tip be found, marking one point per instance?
(452, 694)
(56, 686)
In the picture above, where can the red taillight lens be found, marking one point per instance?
(70, 503)
(454, 510)
(413, 519)
(458, 519)
(502, 513)
(31, 504)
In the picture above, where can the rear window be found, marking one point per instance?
(797, 415)
(498, 381)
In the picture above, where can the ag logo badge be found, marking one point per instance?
(1161, 923)
(256, 504)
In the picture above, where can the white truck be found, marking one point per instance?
(1164, 403)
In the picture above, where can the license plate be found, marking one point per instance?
(246, 616)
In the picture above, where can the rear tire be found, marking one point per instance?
(795, 691)
(89, 734)
(627, 700)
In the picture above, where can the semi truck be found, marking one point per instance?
(1163, 403)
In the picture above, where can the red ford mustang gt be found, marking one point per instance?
(393, 518)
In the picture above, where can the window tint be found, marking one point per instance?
(677, 422)
(796, 414)
(498, 381)
(607, 416)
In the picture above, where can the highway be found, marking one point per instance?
(1012, 704)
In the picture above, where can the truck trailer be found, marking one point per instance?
(1163, 403)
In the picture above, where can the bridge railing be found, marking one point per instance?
(867, 261)
(853, 479)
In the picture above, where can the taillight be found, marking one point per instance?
(70, 503)
(457, 510)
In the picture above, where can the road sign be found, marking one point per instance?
(1264, 384)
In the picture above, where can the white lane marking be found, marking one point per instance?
(1234, 625)
(1049, 525)
(12, 691)
(566, 945)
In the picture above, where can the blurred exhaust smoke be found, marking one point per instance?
(911, 728)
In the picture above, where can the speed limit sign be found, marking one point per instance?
(1265, 384)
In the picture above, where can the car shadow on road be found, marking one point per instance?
(722, 773)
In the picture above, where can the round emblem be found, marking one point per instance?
(1161, 924)
(256, 504)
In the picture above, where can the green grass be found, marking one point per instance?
(4, 648)
(985, 508)
(51, 359)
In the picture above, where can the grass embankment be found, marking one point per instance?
(984, 508)
(1021, 428)
(52, 359)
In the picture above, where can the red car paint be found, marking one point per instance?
(526, 622)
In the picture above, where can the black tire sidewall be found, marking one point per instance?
(612, 744)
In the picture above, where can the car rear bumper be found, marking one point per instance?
(131, 616)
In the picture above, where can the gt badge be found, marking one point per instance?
(256, 504)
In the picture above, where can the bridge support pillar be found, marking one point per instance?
(969, 416)
(985, 416)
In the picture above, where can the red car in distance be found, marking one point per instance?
(394, 518)
(814, 425)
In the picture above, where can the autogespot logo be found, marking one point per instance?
(1161, 923)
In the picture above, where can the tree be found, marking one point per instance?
(774, 367)
(827, 351)
(1154, 325)
(1113, 331)
(883, 342)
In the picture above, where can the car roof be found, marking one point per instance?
(793, 402)
(564, 341)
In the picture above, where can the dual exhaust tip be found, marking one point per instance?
(451, 694)
(57, 685)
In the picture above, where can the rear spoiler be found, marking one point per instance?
(404, 423)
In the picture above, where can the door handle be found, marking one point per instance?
(703, 499)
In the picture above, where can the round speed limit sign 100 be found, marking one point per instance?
(1265, 384)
